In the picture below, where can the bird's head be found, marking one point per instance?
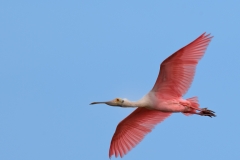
(115, 102)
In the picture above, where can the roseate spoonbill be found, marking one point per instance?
(174, 79)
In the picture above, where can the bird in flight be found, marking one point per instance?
(175, 77)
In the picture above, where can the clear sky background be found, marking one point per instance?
(56, 57)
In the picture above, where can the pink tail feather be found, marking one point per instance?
(194, 104)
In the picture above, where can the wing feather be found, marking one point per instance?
(177, 71)
(133, 128)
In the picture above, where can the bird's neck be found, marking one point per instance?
(145, 101)
(132, 104)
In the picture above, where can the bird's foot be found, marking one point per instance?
(206, 112)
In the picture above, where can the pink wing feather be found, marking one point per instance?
(177, 71)
(133, 128)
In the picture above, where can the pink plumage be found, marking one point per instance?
(177, 71)
(175, 77)
(133, 128)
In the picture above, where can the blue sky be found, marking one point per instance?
(56, 57)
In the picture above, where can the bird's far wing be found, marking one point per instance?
(133, 128)
(177, 71)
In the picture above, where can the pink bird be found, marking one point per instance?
(174, 79)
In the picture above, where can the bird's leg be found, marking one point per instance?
(206, 112)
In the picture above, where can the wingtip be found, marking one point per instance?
(207, 35)
(110, 154)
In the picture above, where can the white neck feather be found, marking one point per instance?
(134, 104)
(128, 103)
(144, 102)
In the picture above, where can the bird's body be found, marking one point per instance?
(174, 79)
(150, 101)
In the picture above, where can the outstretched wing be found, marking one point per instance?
(177, 71)
(133, 128)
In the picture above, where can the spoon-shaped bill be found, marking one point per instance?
(97, 103)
